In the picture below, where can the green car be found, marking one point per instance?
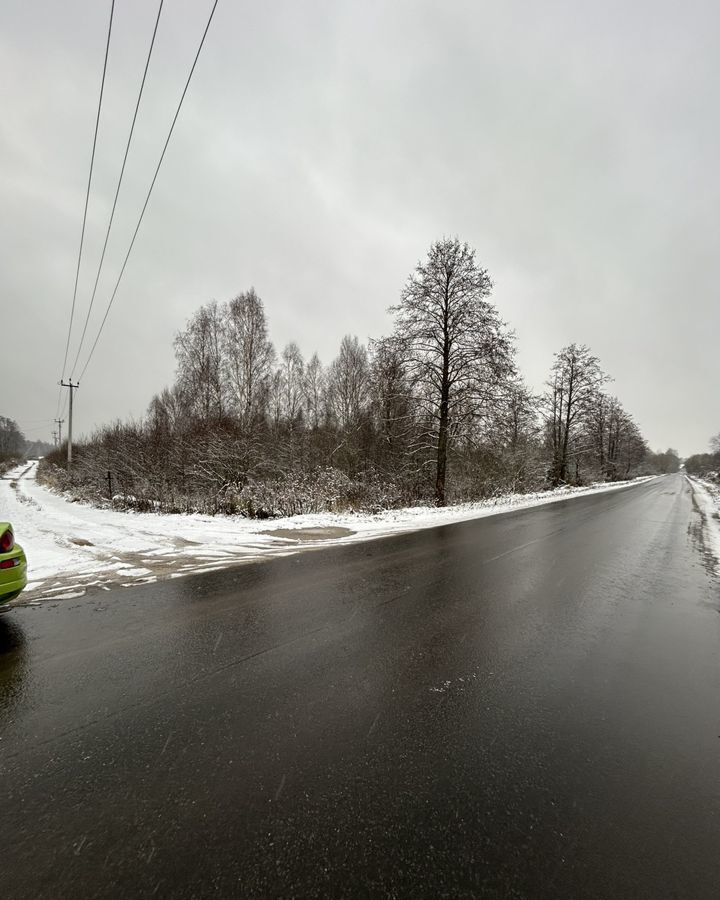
(13, 565)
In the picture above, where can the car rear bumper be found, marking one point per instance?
(13, 580)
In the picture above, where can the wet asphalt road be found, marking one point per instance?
(521, 706)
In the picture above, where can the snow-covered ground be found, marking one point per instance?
(707, 495)
(72, 546)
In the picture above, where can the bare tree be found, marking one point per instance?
(276, 397)
(616, 424)
(516, 424)
(520, 415)
(348, 379)
(626, 447)
(249, 356)
(457, 351)
(574, 389)
(167, 410)
(314, 390)
(391, 396)
(292, 372)
(199, 354)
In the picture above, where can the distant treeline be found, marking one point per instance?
(14, 446)
(435, 412)
(706, 464)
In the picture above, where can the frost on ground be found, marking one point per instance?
(707, 497)
(73, 547)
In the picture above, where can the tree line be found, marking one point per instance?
(706, 464)
(14, 446)
(12, 440)
(436, 411)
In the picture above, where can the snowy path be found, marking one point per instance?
(72, 547)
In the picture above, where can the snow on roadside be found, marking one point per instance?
(73, 546)
(707, 495)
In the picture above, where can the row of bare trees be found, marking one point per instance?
(435, 411)
(706, 465)
(588, 427)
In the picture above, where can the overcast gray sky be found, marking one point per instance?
(324, 145)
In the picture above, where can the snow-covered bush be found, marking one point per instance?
(324, 489)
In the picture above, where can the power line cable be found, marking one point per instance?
(147, 198)
(62, 400)
(117, 189)
(35, 429)
(87, 193)
(57, 410)
(30, 421)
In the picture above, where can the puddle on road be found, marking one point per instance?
(310, 534)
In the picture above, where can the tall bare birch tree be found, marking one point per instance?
(348, 382)
(249, 356)
(199, 355)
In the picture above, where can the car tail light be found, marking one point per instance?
(7, 541)
(10, 563)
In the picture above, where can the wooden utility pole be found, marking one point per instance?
(73, 387)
